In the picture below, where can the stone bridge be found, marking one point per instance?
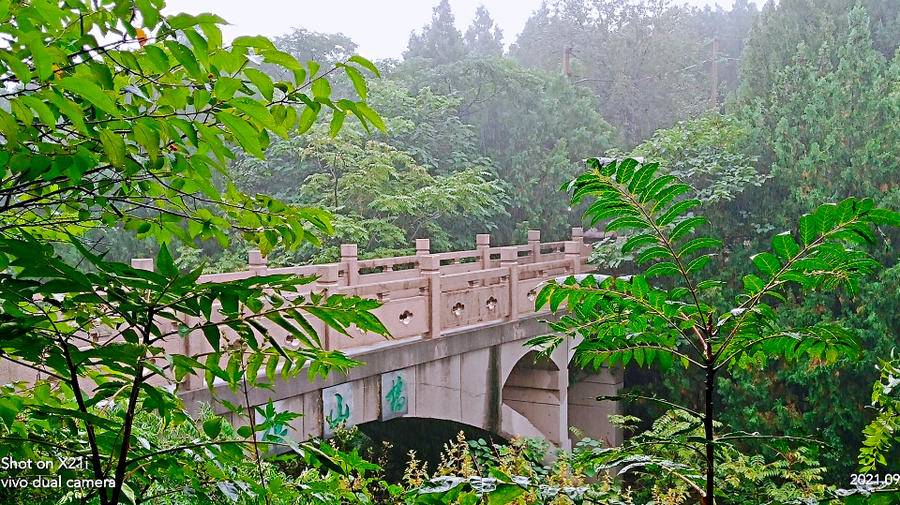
(459, 322)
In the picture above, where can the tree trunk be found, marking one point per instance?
(708, 433)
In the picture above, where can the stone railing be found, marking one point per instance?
(424, 295)
(429, 294)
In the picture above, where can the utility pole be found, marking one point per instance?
(714, 76)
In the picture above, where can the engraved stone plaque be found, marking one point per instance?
(394, 394)
(337, 408)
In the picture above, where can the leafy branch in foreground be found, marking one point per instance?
(670, 320)
(112, 341)
(118, 116)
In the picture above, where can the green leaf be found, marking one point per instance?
(637, 241)
(254, 41)
(43, 112)
(226, 87)
(262, 82)
(256, 111)
(165, 264)
(504, 494)
(337, 120)
(359, 82)
(685, 227)
(677, 210)
(810, 228)
(19, 69)
(784, 245)
(181, 21)
(212, 427)
(699, 243)
(307, 118)
(158, 57)
(185, 58)
(245, 134)
(767, 263)
(698, 263)
(276, 57)
(753, 284)
(114, 147)
(90, 92)
(8, 411)
(321, 88)
(43, 60)
(213, 336)
(662, 268)
(371, 115)
(368, 65)
(148, 138)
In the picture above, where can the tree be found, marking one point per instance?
(883, 433)
(706, 153)
(646, 62)
(673, 322)
(306, 45)
(822, 130)
(116, 114)
(382, 199)
(427, 124)
(324, 48)
(440, 41)
(483, 38)
(804, 28)
(534, 127)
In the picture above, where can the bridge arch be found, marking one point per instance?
(534, 396)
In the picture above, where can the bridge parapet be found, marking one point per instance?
(424, 296)
(428, 294)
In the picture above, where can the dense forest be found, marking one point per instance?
(767, 113)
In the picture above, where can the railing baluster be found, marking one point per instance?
(534, 240)
(509, 258)
(327, 281)
(257, 262)
(350, 259)
(430, 267)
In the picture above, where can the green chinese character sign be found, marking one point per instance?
(337, 408)
(394, 394)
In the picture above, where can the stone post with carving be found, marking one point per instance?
(430, 266)
(257, 262)
(327, 281)
(534, 240)
(350, 260)
(509, 258)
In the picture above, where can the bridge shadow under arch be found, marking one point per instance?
(425, 436)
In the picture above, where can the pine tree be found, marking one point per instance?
(483, 38)
(439, 41)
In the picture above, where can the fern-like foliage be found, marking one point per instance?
(666, 460)
(664, 315)
(661, 315)
(883, 432)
